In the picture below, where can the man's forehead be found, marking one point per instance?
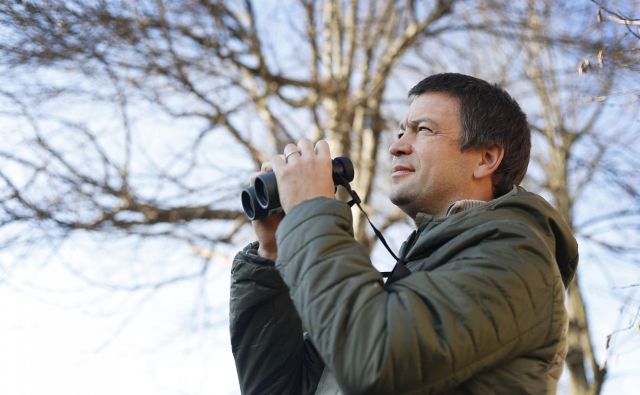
(431, 108)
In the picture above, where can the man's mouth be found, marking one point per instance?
(399, 170)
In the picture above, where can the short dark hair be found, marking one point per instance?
(488, 115)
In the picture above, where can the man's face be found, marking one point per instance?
(429, 172)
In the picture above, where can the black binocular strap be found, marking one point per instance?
(399, 270)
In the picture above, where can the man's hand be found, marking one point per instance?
(303, 173)
(265, 228)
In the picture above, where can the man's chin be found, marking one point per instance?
(405, 206)
(400, 199)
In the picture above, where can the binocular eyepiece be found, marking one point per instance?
(262, 199)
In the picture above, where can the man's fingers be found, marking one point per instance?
(266, 167)
(322, 149)
(277, 162)
(289, 148)
(291, 153)
(305, 147)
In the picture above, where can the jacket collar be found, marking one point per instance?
(423, 219)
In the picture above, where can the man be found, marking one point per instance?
(481, 307)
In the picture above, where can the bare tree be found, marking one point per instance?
(619, 33)
(228, 84)
(211, 63)
(622, 17)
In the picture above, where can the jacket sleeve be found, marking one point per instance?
(270, 352)
(427, 332)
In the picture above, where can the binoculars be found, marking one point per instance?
(262, 198)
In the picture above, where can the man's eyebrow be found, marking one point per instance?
(417, 121)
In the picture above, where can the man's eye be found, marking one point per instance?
(400, 134)
(425, 130)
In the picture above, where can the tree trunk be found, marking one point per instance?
(586, 376)
(581, 360)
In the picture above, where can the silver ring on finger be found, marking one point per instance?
(286, 157)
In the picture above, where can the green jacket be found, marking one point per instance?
(482, 311)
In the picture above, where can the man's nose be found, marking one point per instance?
(400, 147)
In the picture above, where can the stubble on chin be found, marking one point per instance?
(405, 200)
(398, 198)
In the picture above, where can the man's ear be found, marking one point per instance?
(490, 159)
